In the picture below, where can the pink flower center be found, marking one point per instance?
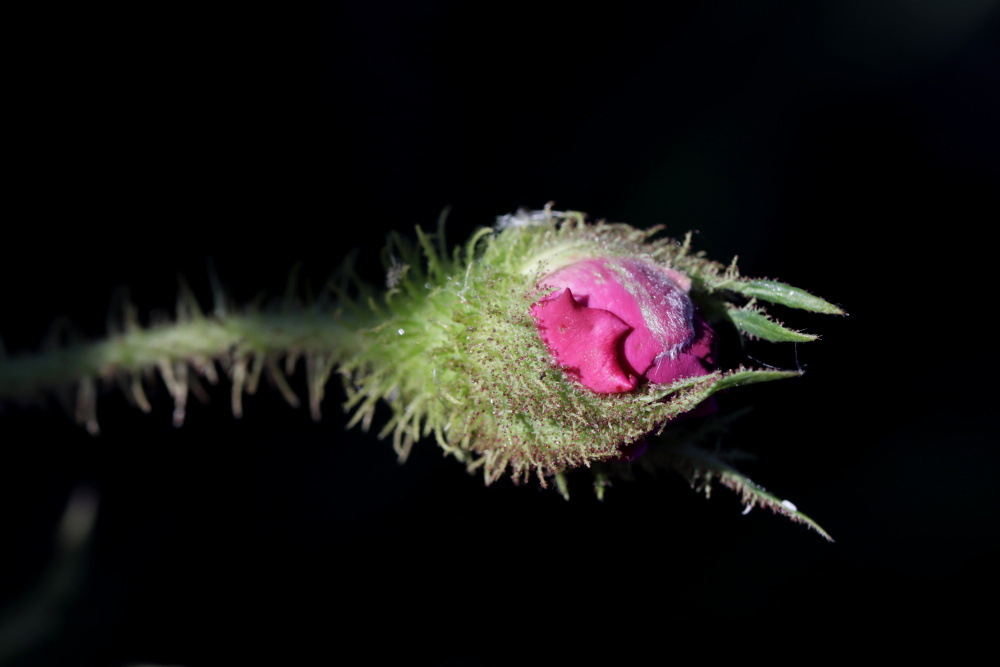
(615, 322)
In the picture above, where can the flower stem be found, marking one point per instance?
(245, 345)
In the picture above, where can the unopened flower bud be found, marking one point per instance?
(551, 343)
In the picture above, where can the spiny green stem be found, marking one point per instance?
(245, 344)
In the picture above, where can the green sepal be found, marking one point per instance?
(745, 376)
(674, 449)
(701, 469)
(783, 294)
(756, 323)
(701, 387)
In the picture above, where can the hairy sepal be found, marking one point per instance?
(755, 322)
(785, 295)
(468, 365)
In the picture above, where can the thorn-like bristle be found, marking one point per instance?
(86, 406)
(274, 372)
(239, 380)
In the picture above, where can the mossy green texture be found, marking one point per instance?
(457, 355)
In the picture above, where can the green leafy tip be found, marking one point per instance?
(774, 292)
(701, 469)
(754, 322)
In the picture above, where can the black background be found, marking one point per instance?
(849, 148)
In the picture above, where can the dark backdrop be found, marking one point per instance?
(849, 148)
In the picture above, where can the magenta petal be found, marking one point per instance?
(585, 340)
(667, 370)
(616, 322)
(646, 297)
(697, 359)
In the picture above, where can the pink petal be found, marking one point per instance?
(646, 297)
(585, 340)
(697, 359)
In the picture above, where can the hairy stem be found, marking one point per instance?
(246, 345)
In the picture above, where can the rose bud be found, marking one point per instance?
(549, 343)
